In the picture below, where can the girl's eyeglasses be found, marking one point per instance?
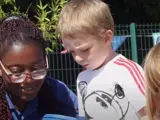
(20, 77)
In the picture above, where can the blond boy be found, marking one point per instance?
(111, 87)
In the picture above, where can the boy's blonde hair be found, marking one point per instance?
(85, 17)
(152, 77)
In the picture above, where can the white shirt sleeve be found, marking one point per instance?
(134, 87)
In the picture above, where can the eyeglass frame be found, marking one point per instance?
(9, 73)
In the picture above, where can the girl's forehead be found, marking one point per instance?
(18, 53)
(17, 47)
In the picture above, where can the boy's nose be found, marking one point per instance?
(79, 60)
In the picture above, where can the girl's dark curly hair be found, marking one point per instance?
(19, 29)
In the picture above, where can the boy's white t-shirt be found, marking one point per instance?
(113, 92)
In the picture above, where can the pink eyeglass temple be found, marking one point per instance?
(64, 51)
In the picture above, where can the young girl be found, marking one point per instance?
(152, 76)
(25, 90)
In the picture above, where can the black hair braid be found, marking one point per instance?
(5, 113)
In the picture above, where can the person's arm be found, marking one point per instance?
(67, 99)
(142, 114)
(74, 99)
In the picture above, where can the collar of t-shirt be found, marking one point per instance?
(97, 71)
(30, 108)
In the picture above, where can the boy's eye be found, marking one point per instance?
(157, 115)
(72, 52)
(85, 50)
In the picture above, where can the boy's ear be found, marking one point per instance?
(108, 37)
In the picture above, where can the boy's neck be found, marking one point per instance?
(112, 55)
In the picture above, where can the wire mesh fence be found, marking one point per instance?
(145, 39)
(63, 67)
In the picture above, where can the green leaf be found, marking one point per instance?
(49, 50)
(45, 6)
(47, 19)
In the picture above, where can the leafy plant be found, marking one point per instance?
(15, 10)
(46, 16)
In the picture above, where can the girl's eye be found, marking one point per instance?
(16, 70)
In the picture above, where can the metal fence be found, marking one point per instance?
(136, 46)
